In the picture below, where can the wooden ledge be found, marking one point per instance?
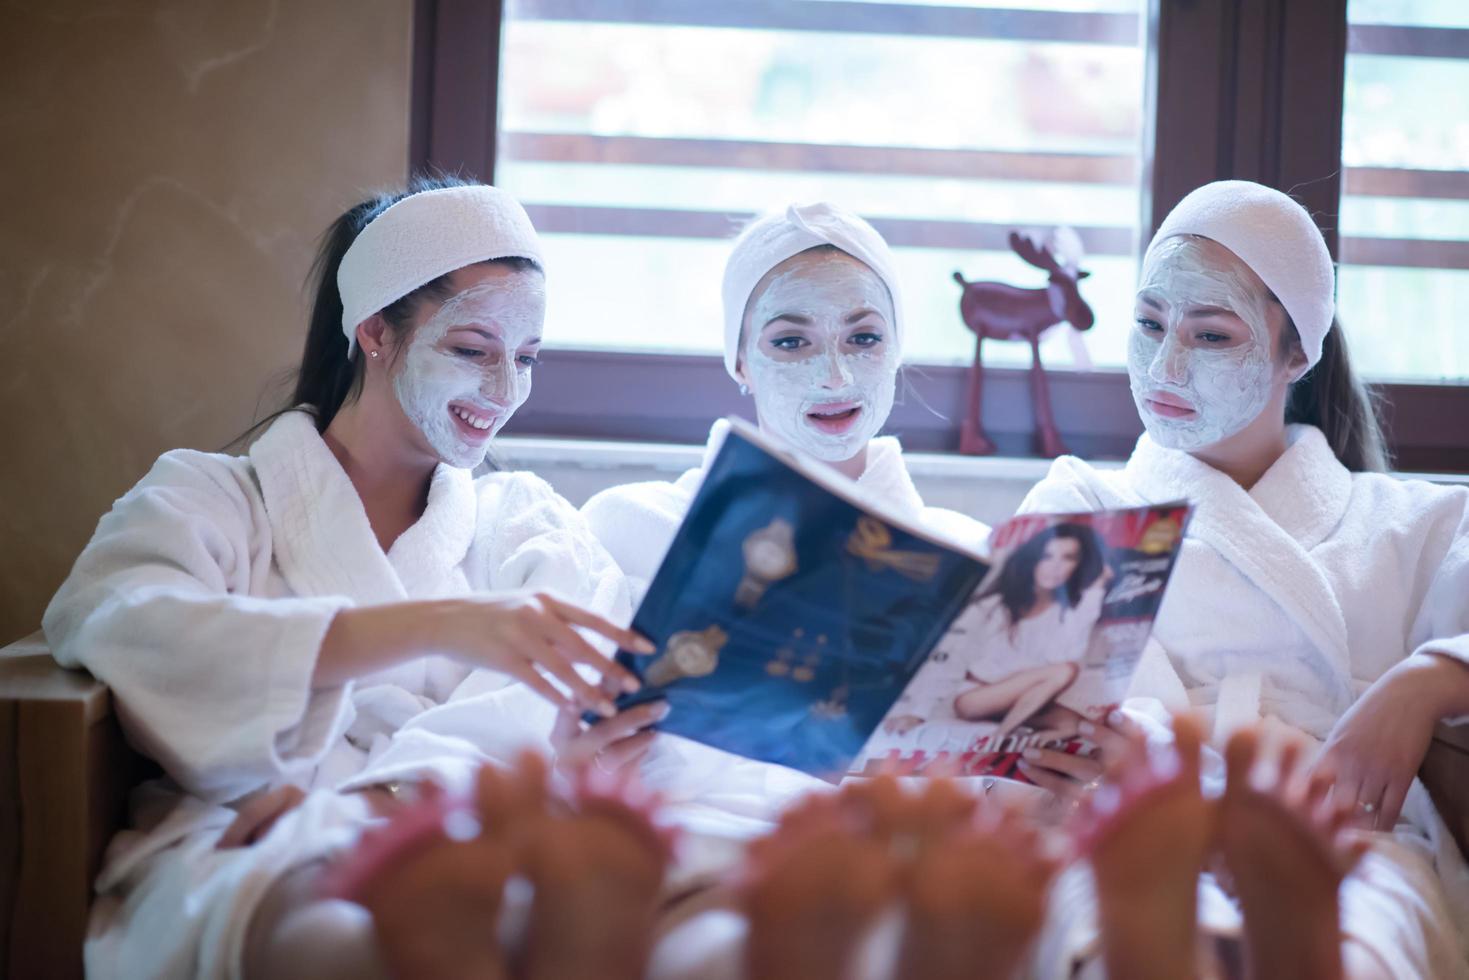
(28, 673)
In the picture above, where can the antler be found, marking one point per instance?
(1028, 248)
(1065, 245)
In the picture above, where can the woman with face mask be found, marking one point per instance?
(1312, 590)
(813, 330)
(282, 627)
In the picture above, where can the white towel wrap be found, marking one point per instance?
(769, 241)
(1276, 238)
(424, 236)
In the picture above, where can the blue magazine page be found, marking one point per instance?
(789, 614)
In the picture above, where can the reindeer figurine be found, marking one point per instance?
(1000, 311)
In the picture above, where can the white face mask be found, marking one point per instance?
(823, 374)
(468, 367)
(1192, 388)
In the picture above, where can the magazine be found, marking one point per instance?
(1049, 640)
(799, 623)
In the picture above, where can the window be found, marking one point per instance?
(643, 133)
(1405, 196)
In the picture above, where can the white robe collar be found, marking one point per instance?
(1266, 533)
(886, 477)
(322, 540)
(1305, 493)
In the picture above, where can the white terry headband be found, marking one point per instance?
(769, 241)
(1276, 238)
(424, 236)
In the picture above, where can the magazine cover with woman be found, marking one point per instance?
(798, 622)
(1049, 640)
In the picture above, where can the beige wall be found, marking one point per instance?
(164, 170)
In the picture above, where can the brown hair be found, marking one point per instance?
(1335, 400)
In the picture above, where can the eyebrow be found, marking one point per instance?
(1210, 311)
(474, 329)
(799, 319)
(532, 342)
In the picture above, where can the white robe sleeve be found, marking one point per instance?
(958, 527)
(637, 522)
(532, 538)
(528, 538)
(1066, 489)
(1442, 623)
(211, 681)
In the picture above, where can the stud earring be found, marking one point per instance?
(372, 354)
(744, 389)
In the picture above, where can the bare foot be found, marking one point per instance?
(813, 889)
(597, 872)
(1147, 833)
(1286, 853)
(434, 900)
(976, 893)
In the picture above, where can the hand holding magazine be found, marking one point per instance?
(799, 623)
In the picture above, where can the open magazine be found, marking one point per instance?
(800, 623)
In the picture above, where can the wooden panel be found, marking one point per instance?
(455, 77)
(27, 673)
(113, 771)
(1418, 42)
(899, 232)
(1401, 182)
(1413, 253)
(9, 830)
(65, 775)
(1454, 737)
(1311, 60)
(1249, 90)
(49, 921)
(421, 93)
(847, 17)
(1446, 774)
(553, 219)
(605, 395)
(1189, 109)
(913, 161)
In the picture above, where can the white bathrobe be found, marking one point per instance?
(1287, 602)
(202, 601)
(715, 795)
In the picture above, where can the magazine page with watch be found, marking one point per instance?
(799, 623)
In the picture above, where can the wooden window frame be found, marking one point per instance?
(1271, 71)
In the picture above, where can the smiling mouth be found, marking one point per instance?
(471, 423)
(834, 419)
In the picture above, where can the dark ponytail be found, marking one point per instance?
(1333, 399)
(327, 379)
